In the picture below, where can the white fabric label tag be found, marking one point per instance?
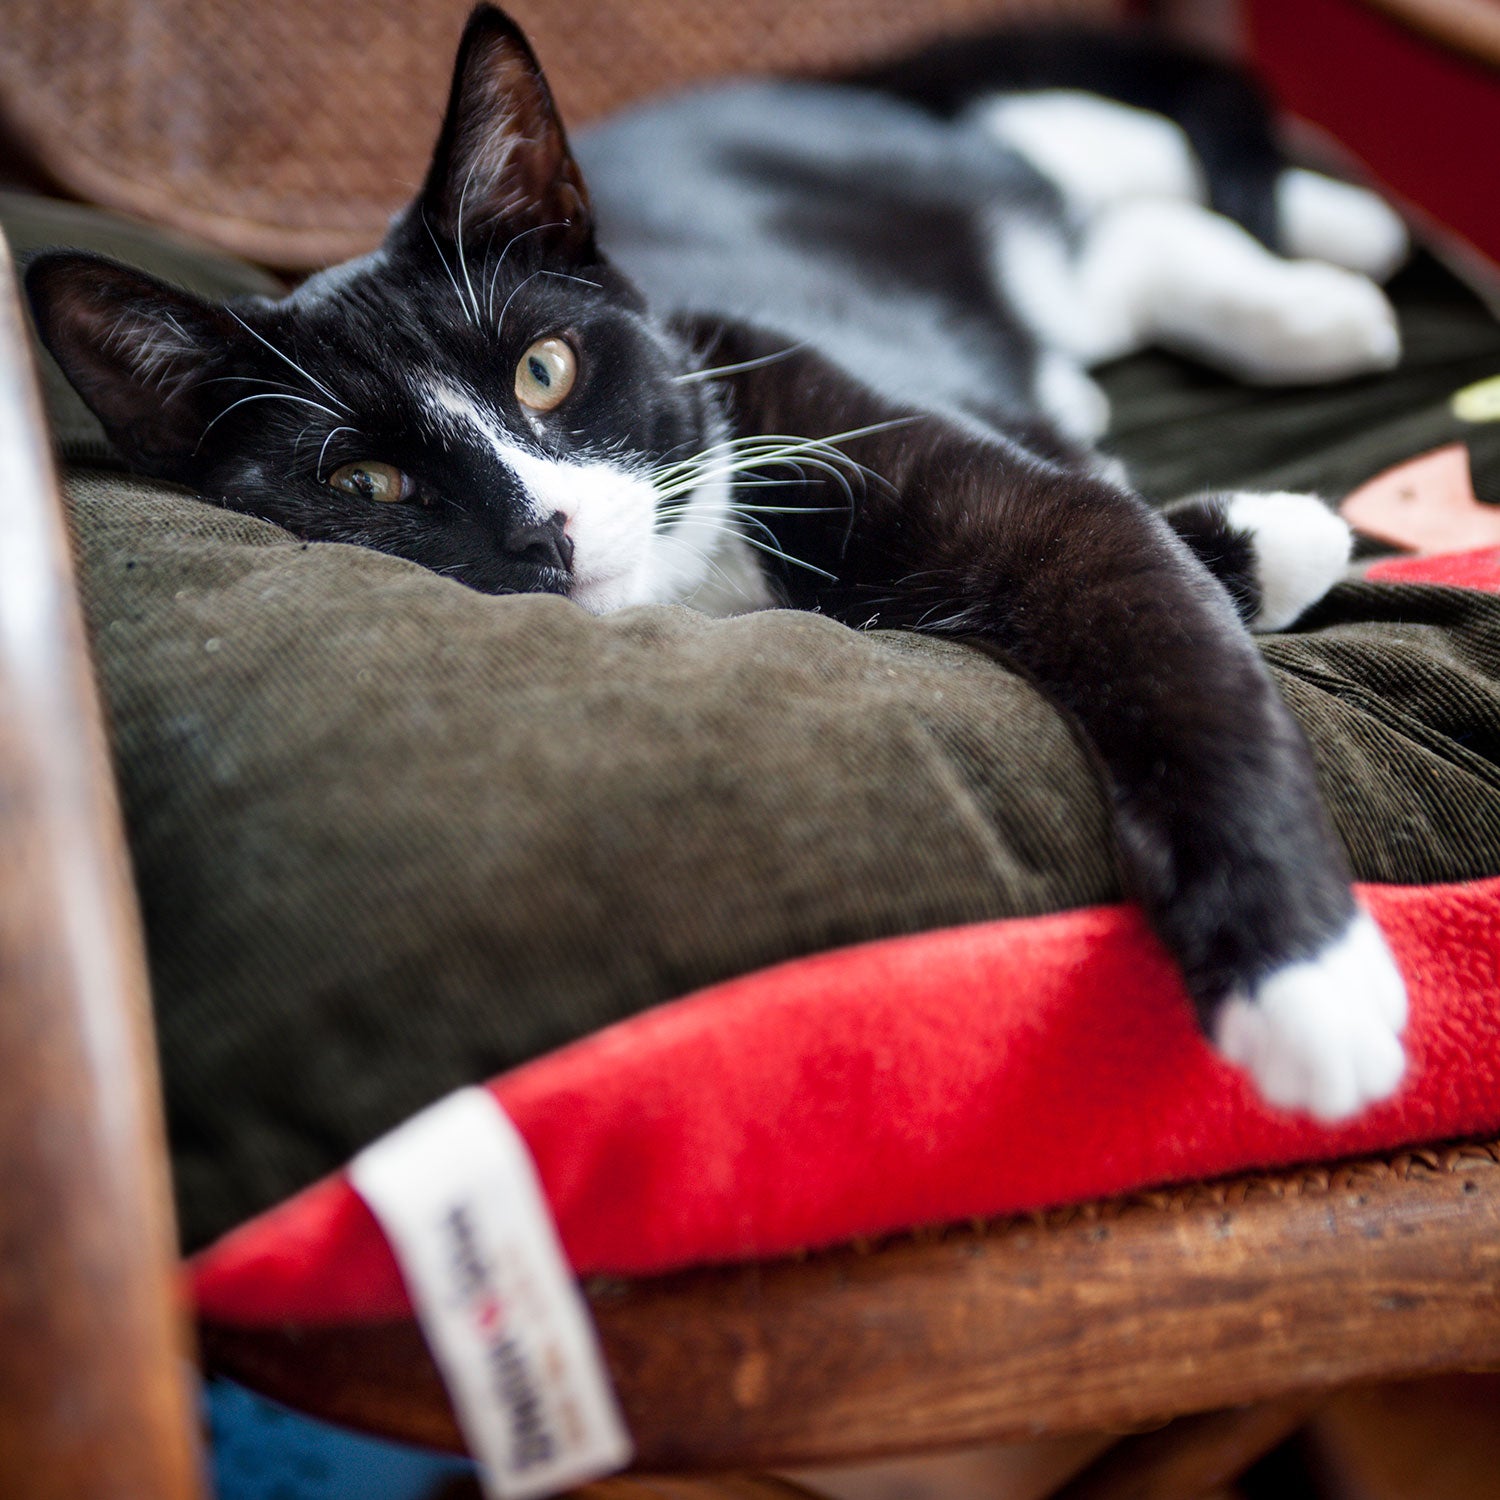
(457, 1195)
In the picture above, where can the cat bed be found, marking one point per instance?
(382, 854)
(393, 838)
(924, 1080)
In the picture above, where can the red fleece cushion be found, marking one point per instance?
(1479, 569)
(981, 1070)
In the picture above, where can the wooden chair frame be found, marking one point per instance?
(1273, 1289)
(94, 1395)
(1225, 1310)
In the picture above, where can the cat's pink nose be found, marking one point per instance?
(545, 544)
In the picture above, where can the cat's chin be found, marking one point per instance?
(646, 582)
(602, 596)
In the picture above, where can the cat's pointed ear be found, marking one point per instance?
(502, 160)
(136, 349)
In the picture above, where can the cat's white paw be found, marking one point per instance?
(1321, 218)
(1077, 405)
(1301, 550)
(1323, 1035)
(1307, 321)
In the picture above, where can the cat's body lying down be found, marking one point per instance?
(870, 317)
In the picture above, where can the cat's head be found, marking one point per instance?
(484, 394)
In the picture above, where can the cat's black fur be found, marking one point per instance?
(969, 516)
(1220, 108)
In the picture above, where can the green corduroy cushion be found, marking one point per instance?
(392, 836)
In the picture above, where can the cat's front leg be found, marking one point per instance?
(1223, 836)
(1221, 831)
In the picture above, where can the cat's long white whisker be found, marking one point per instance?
(720, 525)
(831, 438)
(515, 291)
(690, 486)
(286, 358)
(745, 364)
(510, 244)
(733, 457)
(297, 443)
(762, 450)
(463, 264)
(761, 527)
(324, 449)
(813, 461)
(948, 622)
(520, 286)
(858, 432)
(766, 456)
(702, 555)
(262, 396)
(452, 279)
(714, 527)
(827, 446)
(759, 546)
(787, 510)
(749, 480)
(735, 508)
(688, 483)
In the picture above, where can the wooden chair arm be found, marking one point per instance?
(1109, 1316)
(1471, 27)
(94, 1392)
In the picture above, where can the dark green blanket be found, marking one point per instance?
(392, 836)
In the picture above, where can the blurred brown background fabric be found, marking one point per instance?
(289, 131)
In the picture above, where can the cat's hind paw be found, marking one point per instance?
(1321, 218)
(1305, 321)
(1301, 550)
(1323, 1035)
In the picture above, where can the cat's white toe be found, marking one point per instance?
(1323, 1036)
(1076, 403)
(1321, 218)
(1316, 323)
(1301, 550)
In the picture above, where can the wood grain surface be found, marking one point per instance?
(1110, 1316)
(1471, 27)
(94, 1397)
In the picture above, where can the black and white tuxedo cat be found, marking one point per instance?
(849, 325)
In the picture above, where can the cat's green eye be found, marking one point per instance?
(372, 481)
(546, 374)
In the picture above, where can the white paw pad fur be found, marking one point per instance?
(1301, 550)
(1321, 218)
(1303, 320)
(1323, 1035)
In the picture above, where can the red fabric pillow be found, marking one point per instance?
(976, 1071)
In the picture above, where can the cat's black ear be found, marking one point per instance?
(502, 160)
(136, 349)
